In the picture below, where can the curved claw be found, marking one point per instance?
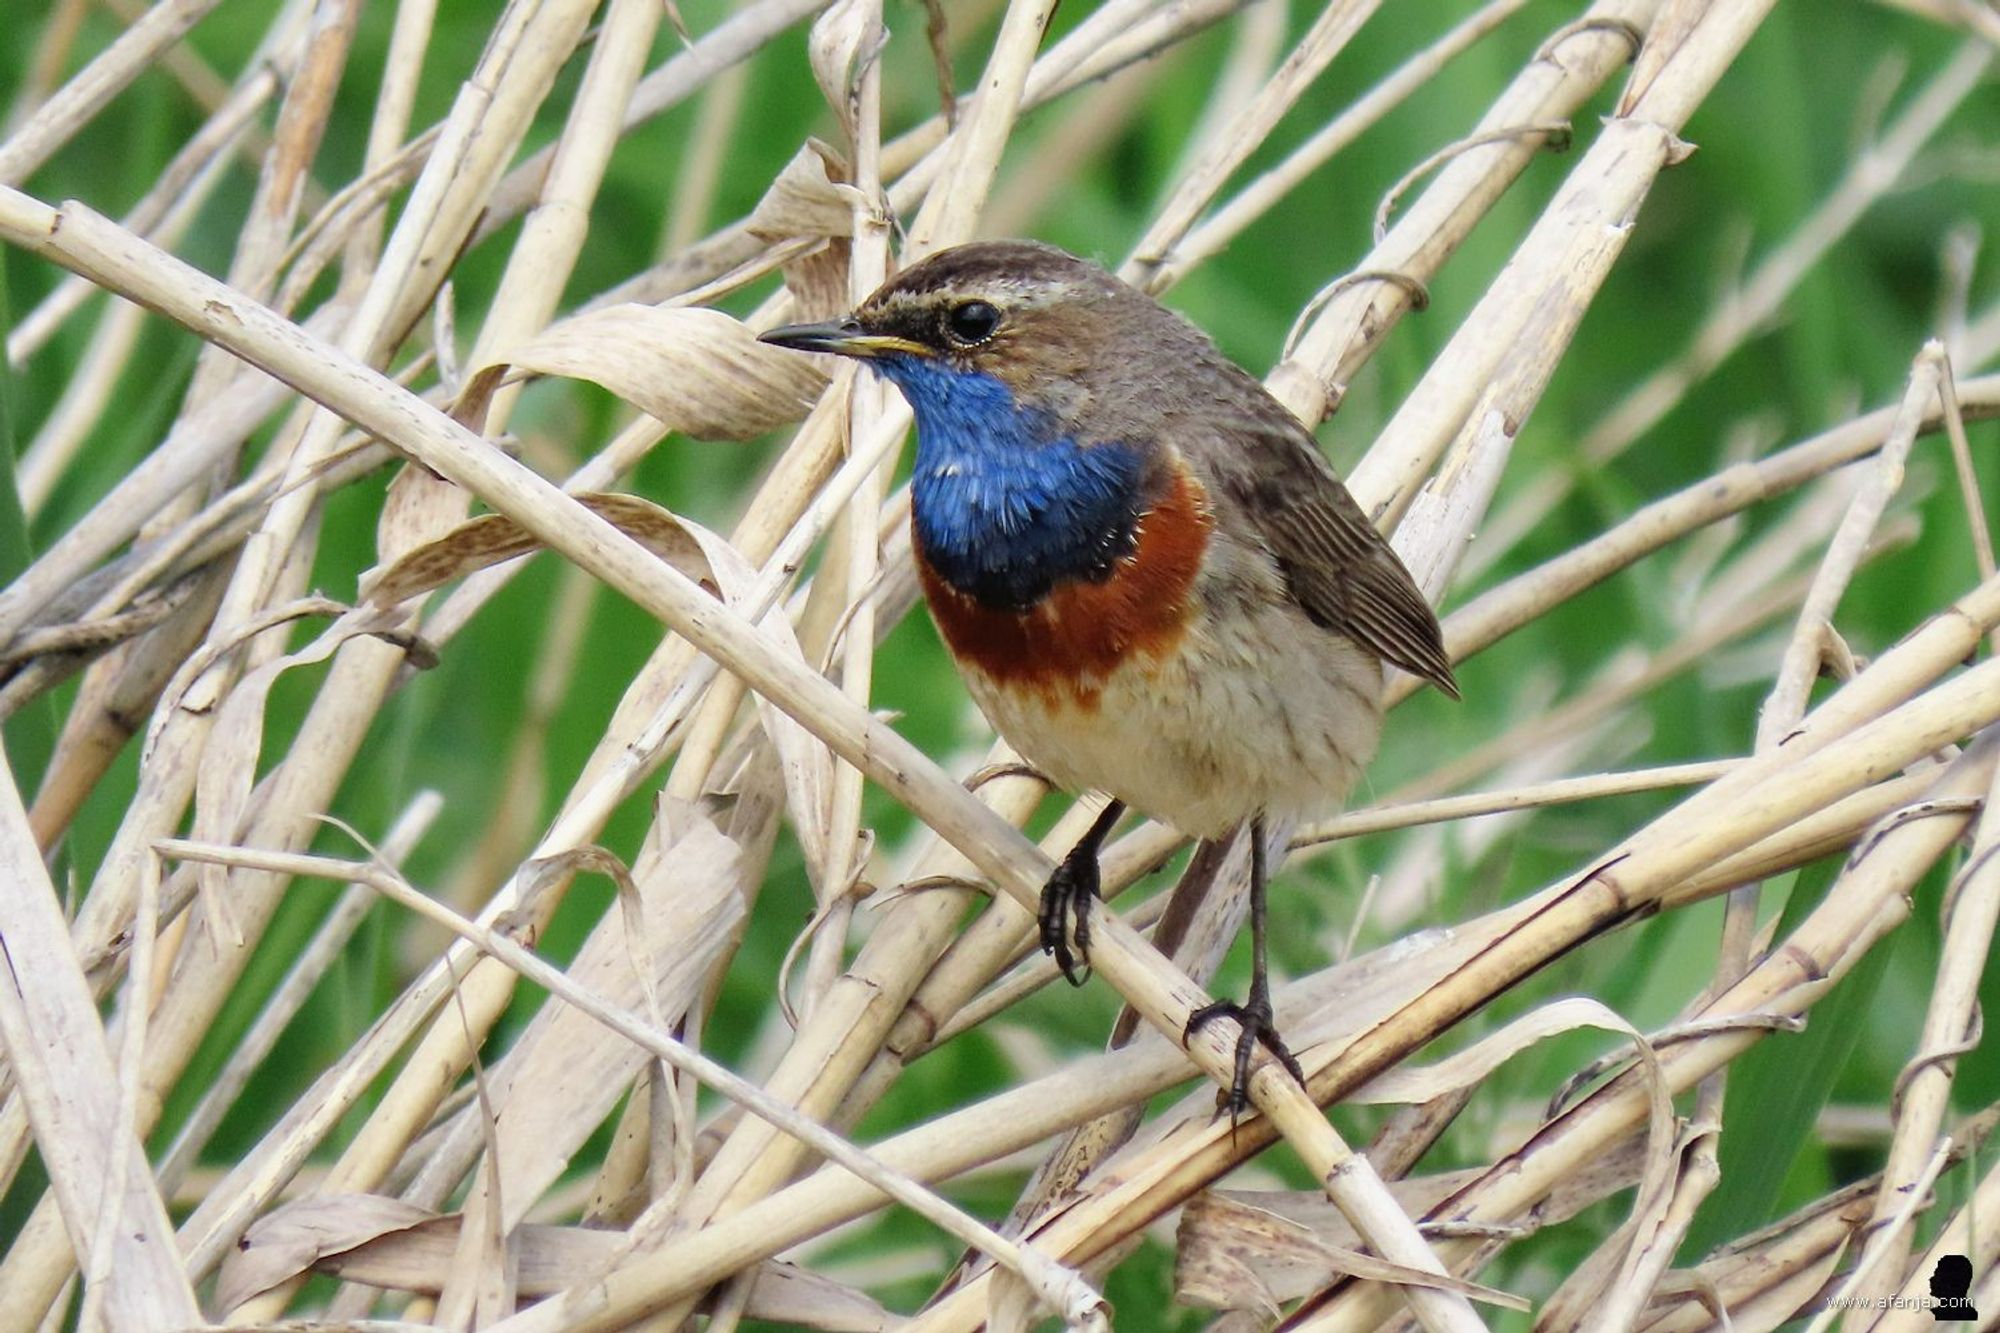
(1066, 901)
(1256, 1027)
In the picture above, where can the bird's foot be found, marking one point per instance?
(1066, 899)
(1257, 1027)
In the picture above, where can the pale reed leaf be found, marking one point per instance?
(489, 539)
(835, 49)
(811, 200)
(290, 1240)
(810, 197)
(698, 371)
(1226, 1244)
(413, 1259)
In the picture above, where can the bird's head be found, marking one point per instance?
(1037, 410)
(1055, 331)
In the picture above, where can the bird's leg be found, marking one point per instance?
(1254, 1016)
(1070, 891)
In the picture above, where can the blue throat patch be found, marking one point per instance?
(1004, 507)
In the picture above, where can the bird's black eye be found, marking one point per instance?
(971, 322)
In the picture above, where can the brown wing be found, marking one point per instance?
(1338, 567)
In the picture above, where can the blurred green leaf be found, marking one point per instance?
(1777, 1090)
(31, 733)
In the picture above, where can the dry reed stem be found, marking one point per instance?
(1330, 32)
(1207, 238)
(1323, 1135)
(590, 806)
(1919, 1100)
(889, 1005)
(1616, 687)
(1765, 1277)
(1075, 35)
(1392, 278)
(182, 63)
(176, 186)
(62, 1071)
(290, 510)
(1490, 616)
(654, 715)
(1866, 903)
(446, 1047)
(1887, 1238)
(255, 576)
(1961, 462)
(1805, 653)
(945, 1146)
(1408, 814)
(551, 239)
(1537, 300)
(1061, 1290)
(1969, 1232)
(52, 54)
(868, 265)
(56, 120)
(288, 997)
(1535, 370)
(1749, 306)
(1361, 992)
(171, 206)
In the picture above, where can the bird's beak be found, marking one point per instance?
(842, 337)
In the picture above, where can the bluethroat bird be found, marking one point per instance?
(1152, 582)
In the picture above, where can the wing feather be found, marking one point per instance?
(1339, 568)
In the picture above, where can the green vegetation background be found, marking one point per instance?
(1773, 140)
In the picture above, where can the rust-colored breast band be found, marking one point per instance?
(1082, 631)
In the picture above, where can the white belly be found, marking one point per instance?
(1274, 716)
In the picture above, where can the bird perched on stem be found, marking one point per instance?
(1152, 582)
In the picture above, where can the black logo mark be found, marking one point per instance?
(1950, 1281)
